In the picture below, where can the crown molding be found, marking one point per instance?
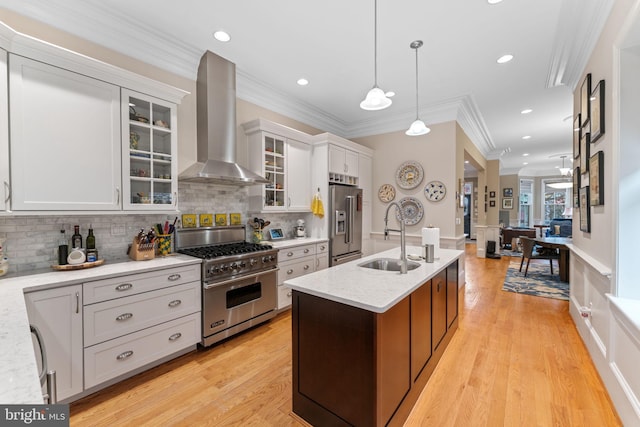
(577, 32)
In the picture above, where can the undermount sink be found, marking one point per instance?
(388, 264)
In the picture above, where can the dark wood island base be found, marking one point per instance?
(354, 367)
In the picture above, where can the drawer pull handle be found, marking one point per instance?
(174, 277)
(124, 287)
(290, 271)
(289, 253)
(124, 355)
(323, 247)
(175, 336)
(306, 267)
(175, 303)
(125, 316)
(306, 251)
(289, 294)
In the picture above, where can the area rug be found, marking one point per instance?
(539, 282)
(508, 252)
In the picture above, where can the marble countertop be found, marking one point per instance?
(18, 370)
(370, 289)
(290, 243)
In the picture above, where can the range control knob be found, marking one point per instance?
(242, 264)
(266, 259)
(234, 266)
(224, 267)
(253, 262)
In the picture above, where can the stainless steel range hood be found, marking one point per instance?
(216, 126)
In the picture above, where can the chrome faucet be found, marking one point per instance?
(403, 246)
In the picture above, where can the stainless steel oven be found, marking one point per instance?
(239, 279)
(236, 304)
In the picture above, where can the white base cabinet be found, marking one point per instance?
(57, 313)
(295, 261)
(134, 320)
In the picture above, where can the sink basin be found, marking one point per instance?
(388, 264)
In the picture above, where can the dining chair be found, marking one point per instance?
(529, 252)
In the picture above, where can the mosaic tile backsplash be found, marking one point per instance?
(32, 241)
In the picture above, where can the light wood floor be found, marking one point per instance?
(516, 360)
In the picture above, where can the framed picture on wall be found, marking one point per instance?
(596, 179)
(576, 137)
(492, 204)
(576, 187)
(584, 152)
(492, 194)
(507, 203)
(597, 111)
(585, 91)
(507, 192)
(585, 218)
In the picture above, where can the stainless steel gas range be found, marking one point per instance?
(239, 279)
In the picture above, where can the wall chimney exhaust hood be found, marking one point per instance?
(216, 127)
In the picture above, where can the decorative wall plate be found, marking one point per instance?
(386, 193)
(435, 191)
(409, 175)
(412, 210)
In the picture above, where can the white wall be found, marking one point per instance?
(604, 261)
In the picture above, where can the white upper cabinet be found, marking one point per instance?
(5, 184)
(343, 165)
(283, 157)
(65, 139)
(149, 147)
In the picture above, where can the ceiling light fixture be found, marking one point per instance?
(526, 137)
(565, 171)
(303, 82)
(222, 36)
(561, 185)
(493, 1)
(526, 111)
(417, 127)
(504, 59)
(376, 99)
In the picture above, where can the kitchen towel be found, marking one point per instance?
(431, 236)
(317, 207)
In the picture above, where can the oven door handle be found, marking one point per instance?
(207, 286)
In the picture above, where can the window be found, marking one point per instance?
(557, 202)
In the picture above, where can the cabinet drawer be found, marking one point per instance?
(296, 252)
(296, 269)
(284, 296)
(114, 318)
(117, 287)
(116, 357)
(322, 248)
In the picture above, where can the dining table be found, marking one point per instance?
(559, 243)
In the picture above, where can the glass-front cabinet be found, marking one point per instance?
(274, 172)
(149, 152)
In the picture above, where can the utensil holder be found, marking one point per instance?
(164, 244)
(142, 251)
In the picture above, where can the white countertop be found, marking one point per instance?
(290, 243)
(19, 381)
(369, 289)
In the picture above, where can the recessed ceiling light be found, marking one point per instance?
(493, 1)
(526, 111)
(525, 154)
(222, 36)
(303, 82)
(525, 163)
(504, 59)
(526, 137)
(389, 94)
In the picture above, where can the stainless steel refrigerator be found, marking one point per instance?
(345, 223)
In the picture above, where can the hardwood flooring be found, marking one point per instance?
(515, 360)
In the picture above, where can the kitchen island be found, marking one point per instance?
(365, 341)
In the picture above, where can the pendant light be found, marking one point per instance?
(565, 171)
(417, 127)
(376, 99)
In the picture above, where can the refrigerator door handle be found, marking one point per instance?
(350, 219)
